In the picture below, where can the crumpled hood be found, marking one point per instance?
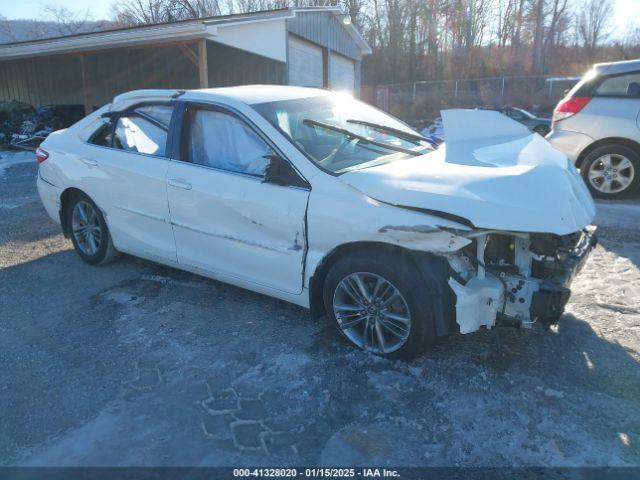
(491, 171)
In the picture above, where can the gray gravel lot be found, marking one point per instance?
(139, 364)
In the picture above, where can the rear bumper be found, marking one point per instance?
(572, 144)
(50, 197)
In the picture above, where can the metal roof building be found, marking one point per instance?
(316, 47)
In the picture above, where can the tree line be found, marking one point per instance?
(430, 39)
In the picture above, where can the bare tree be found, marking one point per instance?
(6, 29)
(538, 32)
(68, 22)
(140, 12)
(593, 24)
(197, 8)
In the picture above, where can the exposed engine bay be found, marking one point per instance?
(514, 278)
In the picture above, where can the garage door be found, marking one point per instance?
(305, 63)
(342, 73)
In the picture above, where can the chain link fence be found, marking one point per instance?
(419, 101)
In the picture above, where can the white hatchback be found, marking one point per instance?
(321, 200)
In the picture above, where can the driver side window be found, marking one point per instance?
(221, 140)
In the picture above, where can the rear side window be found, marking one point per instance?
(627, 85)
(136, 134)
(143, 130)
(161, 113)
(103, 136)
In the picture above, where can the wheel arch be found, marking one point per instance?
(625, 142)
(65, 199)
(434, 271)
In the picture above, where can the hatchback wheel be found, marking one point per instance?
(612, 171)
(378, 303)
(89, 232)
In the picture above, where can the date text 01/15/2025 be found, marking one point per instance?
(316, 472)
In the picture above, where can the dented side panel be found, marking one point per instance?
(339, 214)
(239, 228)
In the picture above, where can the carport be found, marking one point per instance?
(316, 47)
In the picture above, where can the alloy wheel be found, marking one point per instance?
(371, 312)
(611, 173)
(86, 228)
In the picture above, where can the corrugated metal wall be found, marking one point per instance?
(229, 66)
(57, 79)
(111, 72)
(39, 81)
(325, 29)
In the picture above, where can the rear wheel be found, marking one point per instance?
(611, 171)
(380, 303)
(89, 232)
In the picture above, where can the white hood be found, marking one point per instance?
(492, 171)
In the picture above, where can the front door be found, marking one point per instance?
(225, 219)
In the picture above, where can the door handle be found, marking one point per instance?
(179, 183)
(90, 162)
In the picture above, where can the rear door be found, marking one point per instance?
(226, 219)
(126, 176)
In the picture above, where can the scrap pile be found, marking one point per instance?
(23, 126)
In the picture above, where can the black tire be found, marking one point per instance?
(405, 277)
(616, 150)
(105, 252)
(542, 130)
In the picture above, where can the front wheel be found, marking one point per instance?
(89, 232)
(380, 303)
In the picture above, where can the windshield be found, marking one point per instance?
(340, 134)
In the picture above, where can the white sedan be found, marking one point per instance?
(321, 200)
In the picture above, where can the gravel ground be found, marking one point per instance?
(139, 364)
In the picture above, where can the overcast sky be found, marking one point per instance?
(625, 11)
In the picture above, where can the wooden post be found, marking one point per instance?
(86, 91)
(326, 68)
(203, 72)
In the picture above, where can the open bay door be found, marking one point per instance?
(342, 73)
(305, 64)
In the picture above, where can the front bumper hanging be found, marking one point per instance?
(548, 303)
(534, 288)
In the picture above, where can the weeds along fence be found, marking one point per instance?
(423, 100)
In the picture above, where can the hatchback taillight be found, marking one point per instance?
(41, 155)
(569, 106)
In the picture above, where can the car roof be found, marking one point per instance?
(614, 68)
(252, 94)
(249, 94)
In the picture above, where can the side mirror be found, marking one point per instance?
(280, 172)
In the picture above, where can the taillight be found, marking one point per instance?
(41, 155)
(568, 107)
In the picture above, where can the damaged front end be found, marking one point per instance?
(516, 279)
(525, 208)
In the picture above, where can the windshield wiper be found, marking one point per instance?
(395, 131)
(350, 134)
